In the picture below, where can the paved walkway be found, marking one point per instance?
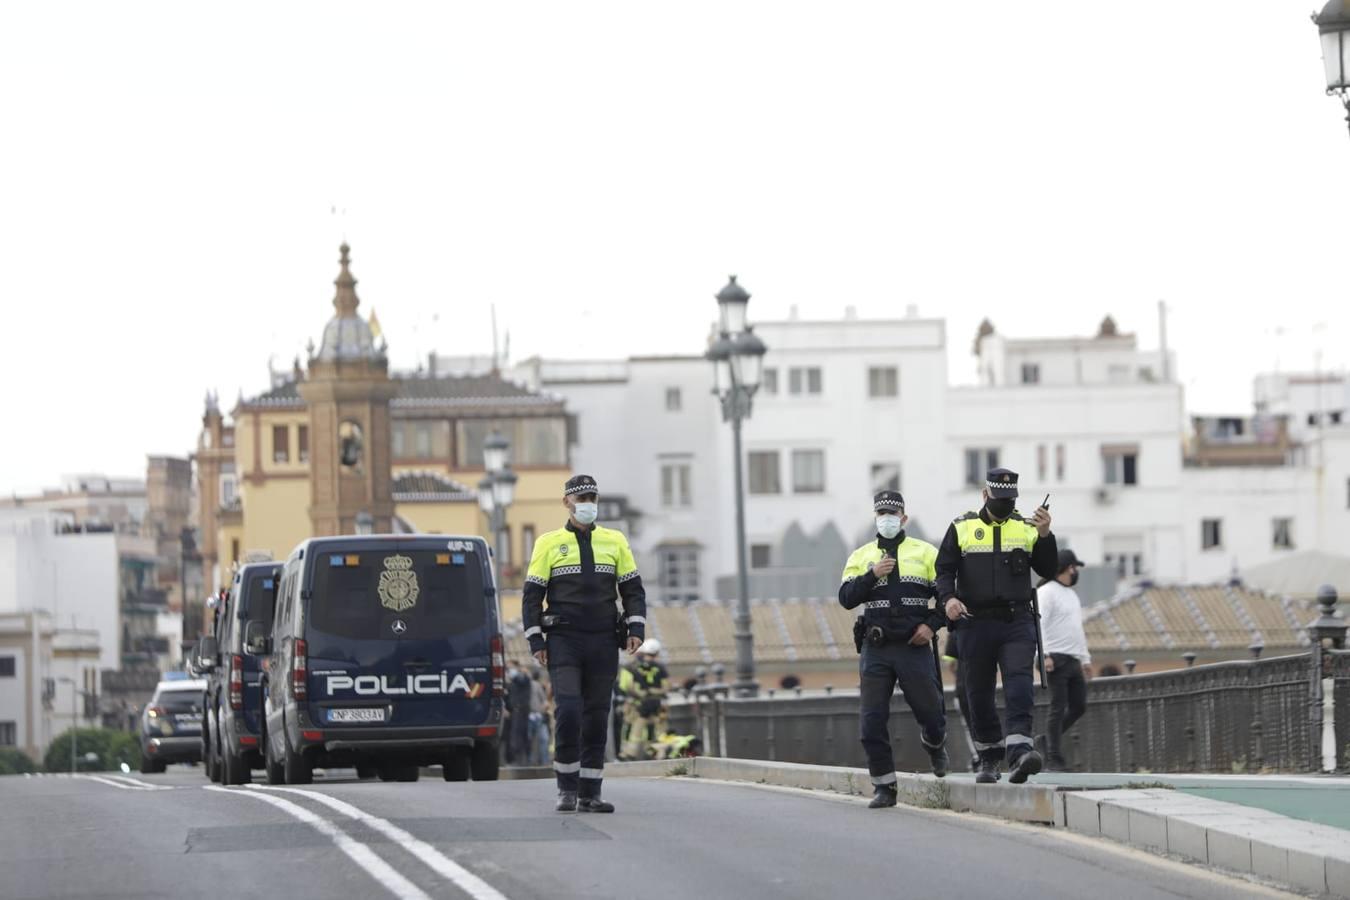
(1323, 799)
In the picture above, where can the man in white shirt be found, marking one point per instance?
(1067, 660)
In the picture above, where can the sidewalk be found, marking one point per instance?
(1313, 798)
(1303, 853)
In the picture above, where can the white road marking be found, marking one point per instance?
(136, 782)
(133, 786)
(359, 853)
(462, 878)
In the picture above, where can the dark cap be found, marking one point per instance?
(1001, 483)
(1067, 558)
(580, 484)
(888, 501)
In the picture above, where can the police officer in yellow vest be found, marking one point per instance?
(892, 578)
(984, 571)
(581, 570)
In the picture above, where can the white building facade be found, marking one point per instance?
(848, 407)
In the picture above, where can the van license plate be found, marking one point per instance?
(356, 715)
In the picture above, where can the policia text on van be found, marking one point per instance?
(386, 655)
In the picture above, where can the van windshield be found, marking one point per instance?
(436, 593)
(261, 592)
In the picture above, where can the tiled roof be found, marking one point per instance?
(465, 390)
(429, 487)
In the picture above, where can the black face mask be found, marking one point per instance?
(1000, 507)
(1073, 579)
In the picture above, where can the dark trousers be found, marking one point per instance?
(986, 648)
(582, 667)
(1068, 700)
(519, 747)
(912, 668)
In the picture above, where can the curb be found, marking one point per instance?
(1305, 855)
(1039, 804)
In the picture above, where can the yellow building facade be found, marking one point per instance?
(312, 450)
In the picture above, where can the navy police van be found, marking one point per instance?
(232, 722)
(386, 654)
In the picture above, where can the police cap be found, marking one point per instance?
(1001, 482)
(888, 502)
(580, 484)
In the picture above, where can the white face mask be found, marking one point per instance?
(888, 526)
(585, 513)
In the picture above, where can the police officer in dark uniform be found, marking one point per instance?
(892, 578)
(574, 627)
(984, 571)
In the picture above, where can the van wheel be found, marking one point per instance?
(456, 765)
(299, 770)
(234, 770)
(214, 770)
(366, 772)
(484, 761)
(151, 766)
(275, 773)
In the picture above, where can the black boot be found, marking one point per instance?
(883, 796)
(988, 773)
(1027, 764)
(567, 801)
(938, 757)
(594, 805)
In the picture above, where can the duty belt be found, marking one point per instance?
(1002, 611)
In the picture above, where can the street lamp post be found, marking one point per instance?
(496, 492)
(1333, 26)
(737, 355)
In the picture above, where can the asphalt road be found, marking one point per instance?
(172, 836)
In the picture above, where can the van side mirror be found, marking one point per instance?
(256, 639)
(208, 652)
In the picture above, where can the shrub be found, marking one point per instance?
(110, 748)
(15, 762)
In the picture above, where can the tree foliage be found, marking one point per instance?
(111, 749)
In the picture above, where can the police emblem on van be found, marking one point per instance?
(398, 584)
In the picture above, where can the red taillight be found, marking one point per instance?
(248, 741)
(498, 666)
(312, 735)
(155, 712)
(236, 682)
(487, 730)
(299, 667)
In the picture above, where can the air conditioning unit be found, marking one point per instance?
(1105, 495)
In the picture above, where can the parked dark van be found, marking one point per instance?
(232, 724)
(386, 654)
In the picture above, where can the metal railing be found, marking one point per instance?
(1230, 717)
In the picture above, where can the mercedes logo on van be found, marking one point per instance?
(399, 626)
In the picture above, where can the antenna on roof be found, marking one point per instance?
(494, 339)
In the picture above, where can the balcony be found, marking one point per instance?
(1239, 441)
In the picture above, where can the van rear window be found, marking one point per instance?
(180, 701)
(438, 594)
(262, 594)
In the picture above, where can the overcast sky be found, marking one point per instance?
(167, 177)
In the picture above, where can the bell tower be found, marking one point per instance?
(348, 390)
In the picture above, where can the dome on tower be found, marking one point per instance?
(347, 336)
